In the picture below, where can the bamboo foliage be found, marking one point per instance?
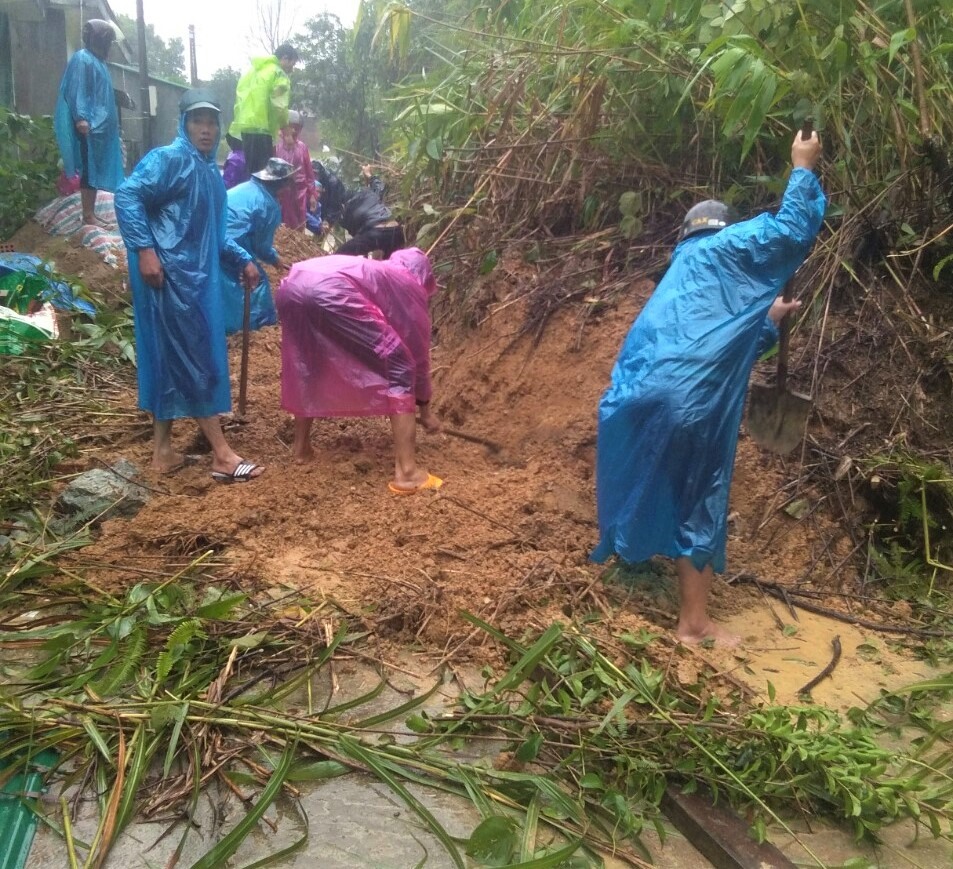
(678, 100)
(596, 730)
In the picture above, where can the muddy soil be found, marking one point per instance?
(507, 538)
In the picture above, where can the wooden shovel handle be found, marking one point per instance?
(784, 330)
(243, 377)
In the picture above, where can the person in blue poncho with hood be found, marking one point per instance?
(668, 423)
(171, 213)
(86, 120)
(253, 216)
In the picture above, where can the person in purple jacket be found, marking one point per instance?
(235, 171)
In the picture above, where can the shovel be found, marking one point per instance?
(776, 415)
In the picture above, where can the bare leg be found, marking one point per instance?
(694, 623)
(164, 458)
(87, 196)
(406, 473)
(224, 458)
(301, 449)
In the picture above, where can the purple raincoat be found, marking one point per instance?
(235, 172)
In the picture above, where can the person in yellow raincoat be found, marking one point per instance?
(262, 99)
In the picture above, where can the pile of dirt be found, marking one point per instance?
(507, 538)
(68, 257)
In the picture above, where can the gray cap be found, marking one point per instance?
(275, 169)
(198, 98)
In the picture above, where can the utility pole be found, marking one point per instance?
(144, 100)
(193, 63)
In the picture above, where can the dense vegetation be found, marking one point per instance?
(594, 122)
(28, 168)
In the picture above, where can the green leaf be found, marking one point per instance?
(630, 203)
(488, 263)
(97, 739)
(249, 641)
(898, 40)
(435, 149)
(220, 606)
(181, 712)
(529, 750)
(494, 841)
(418, 724)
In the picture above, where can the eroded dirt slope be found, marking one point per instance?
(507, 538)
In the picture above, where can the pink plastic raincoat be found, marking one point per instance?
(355, 335)
(294, 197)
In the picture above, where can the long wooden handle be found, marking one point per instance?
(784, 330)
(492, 446)
(243, 379)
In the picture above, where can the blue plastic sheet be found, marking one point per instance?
(253, 216)
(57, 293)
(174, 203)
(668, 424)
(86, 93)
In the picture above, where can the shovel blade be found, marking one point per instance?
(776, 419)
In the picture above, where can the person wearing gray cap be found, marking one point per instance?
(171, 213)
(254, 214)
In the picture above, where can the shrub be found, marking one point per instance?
(28, 167)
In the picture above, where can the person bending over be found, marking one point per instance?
(668, 423)
(355, 341)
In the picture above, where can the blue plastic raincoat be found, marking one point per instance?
(86, 93)
(174, 202)
(668, 424)
(253, 216)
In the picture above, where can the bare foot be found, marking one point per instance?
(303, 454)
(415, 480)
(93, 220)
(230, 469)
(432, 483)
(712, 632)
(169, 463)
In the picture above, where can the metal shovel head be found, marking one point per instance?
(777, 418)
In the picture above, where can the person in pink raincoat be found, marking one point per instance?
(355, 341)
(295, 198)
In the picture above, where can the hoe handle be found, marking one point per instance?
(784, 330)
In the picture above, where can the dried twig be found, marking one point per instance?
(820, 677)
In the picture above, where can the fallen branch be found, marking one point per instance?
(776, 590)
(820, 677)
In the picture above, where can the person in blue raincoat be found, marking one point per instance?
(253, 216)
(86, 120)
(668, 423)
(171, 213)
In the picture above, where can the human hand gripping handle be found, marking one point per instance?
(805, 152)
(250, 277)
(806, 149)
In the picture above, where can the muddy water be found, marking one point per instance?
(789, 657)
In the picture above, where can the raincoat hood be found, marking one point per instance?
(416, 262)
(261, 98)
(184, 136)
